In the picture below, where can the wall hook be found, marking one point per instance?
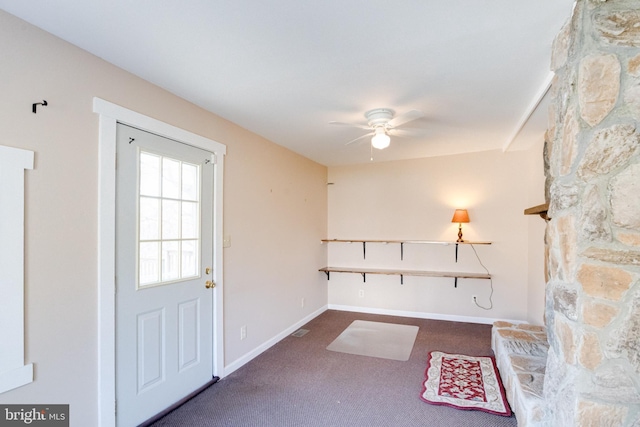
(34, 106)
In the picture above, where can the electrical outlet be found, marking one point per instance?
(226, 242)
(243, 332)
(302, 302)
(474, 299)
(361, 293)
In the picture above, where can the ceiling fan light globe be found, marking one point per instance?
(380, 141)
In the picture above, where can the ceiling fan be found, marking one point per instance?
(381, 123)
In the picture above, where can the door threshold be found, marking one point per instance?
(179, 403)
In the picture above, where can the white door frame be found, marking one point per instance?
(110, 115)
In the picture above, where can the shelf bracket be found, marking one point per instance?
(402, 279)
(364, 277)
(456, 252)
(455, 282)
(401, 251)
(364, 250)
(327, 272)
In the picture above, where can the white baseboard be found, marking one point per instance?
(228, 369)
(237, 364)
(419, 314)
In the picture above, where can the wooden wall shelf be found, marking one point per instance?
(402, 242)
(539, 210)
(401, 272)
(427, 242)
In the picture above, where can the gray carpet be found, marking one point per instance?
(299, 383)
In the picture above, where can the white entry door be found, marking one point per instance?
(164, 255)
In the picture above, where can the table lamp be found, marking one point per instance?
(460, 216)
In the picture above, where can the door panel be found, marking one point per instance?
(151, 342)
(164, 244)
(189, 327)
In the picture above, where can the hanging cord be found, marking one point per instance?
(490, 281)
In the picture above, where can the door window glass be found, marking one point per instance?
(168, 220)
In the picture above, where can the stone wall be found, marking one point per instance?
(592, 160)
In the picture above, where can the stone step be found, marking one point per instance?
(521, 357)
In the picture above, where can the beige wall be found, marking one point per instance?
(275, 225)
(415, 200)
(275, 212)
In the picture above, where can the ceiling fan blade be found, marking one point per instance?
(360, 137)
(351, 125)
(409, 133)
(405, 118)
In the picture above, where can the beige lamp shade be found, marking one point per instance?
(460, 216)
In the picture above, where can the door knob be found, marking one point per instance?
(209, 284)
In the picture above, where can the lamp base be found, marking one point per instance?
(459, 234)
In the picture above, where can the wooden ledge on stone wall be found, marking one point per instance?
(539, 210)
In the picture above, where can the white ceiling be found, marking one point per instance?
(285, 68)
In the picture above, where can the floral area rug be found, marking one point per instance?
(464, 382)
